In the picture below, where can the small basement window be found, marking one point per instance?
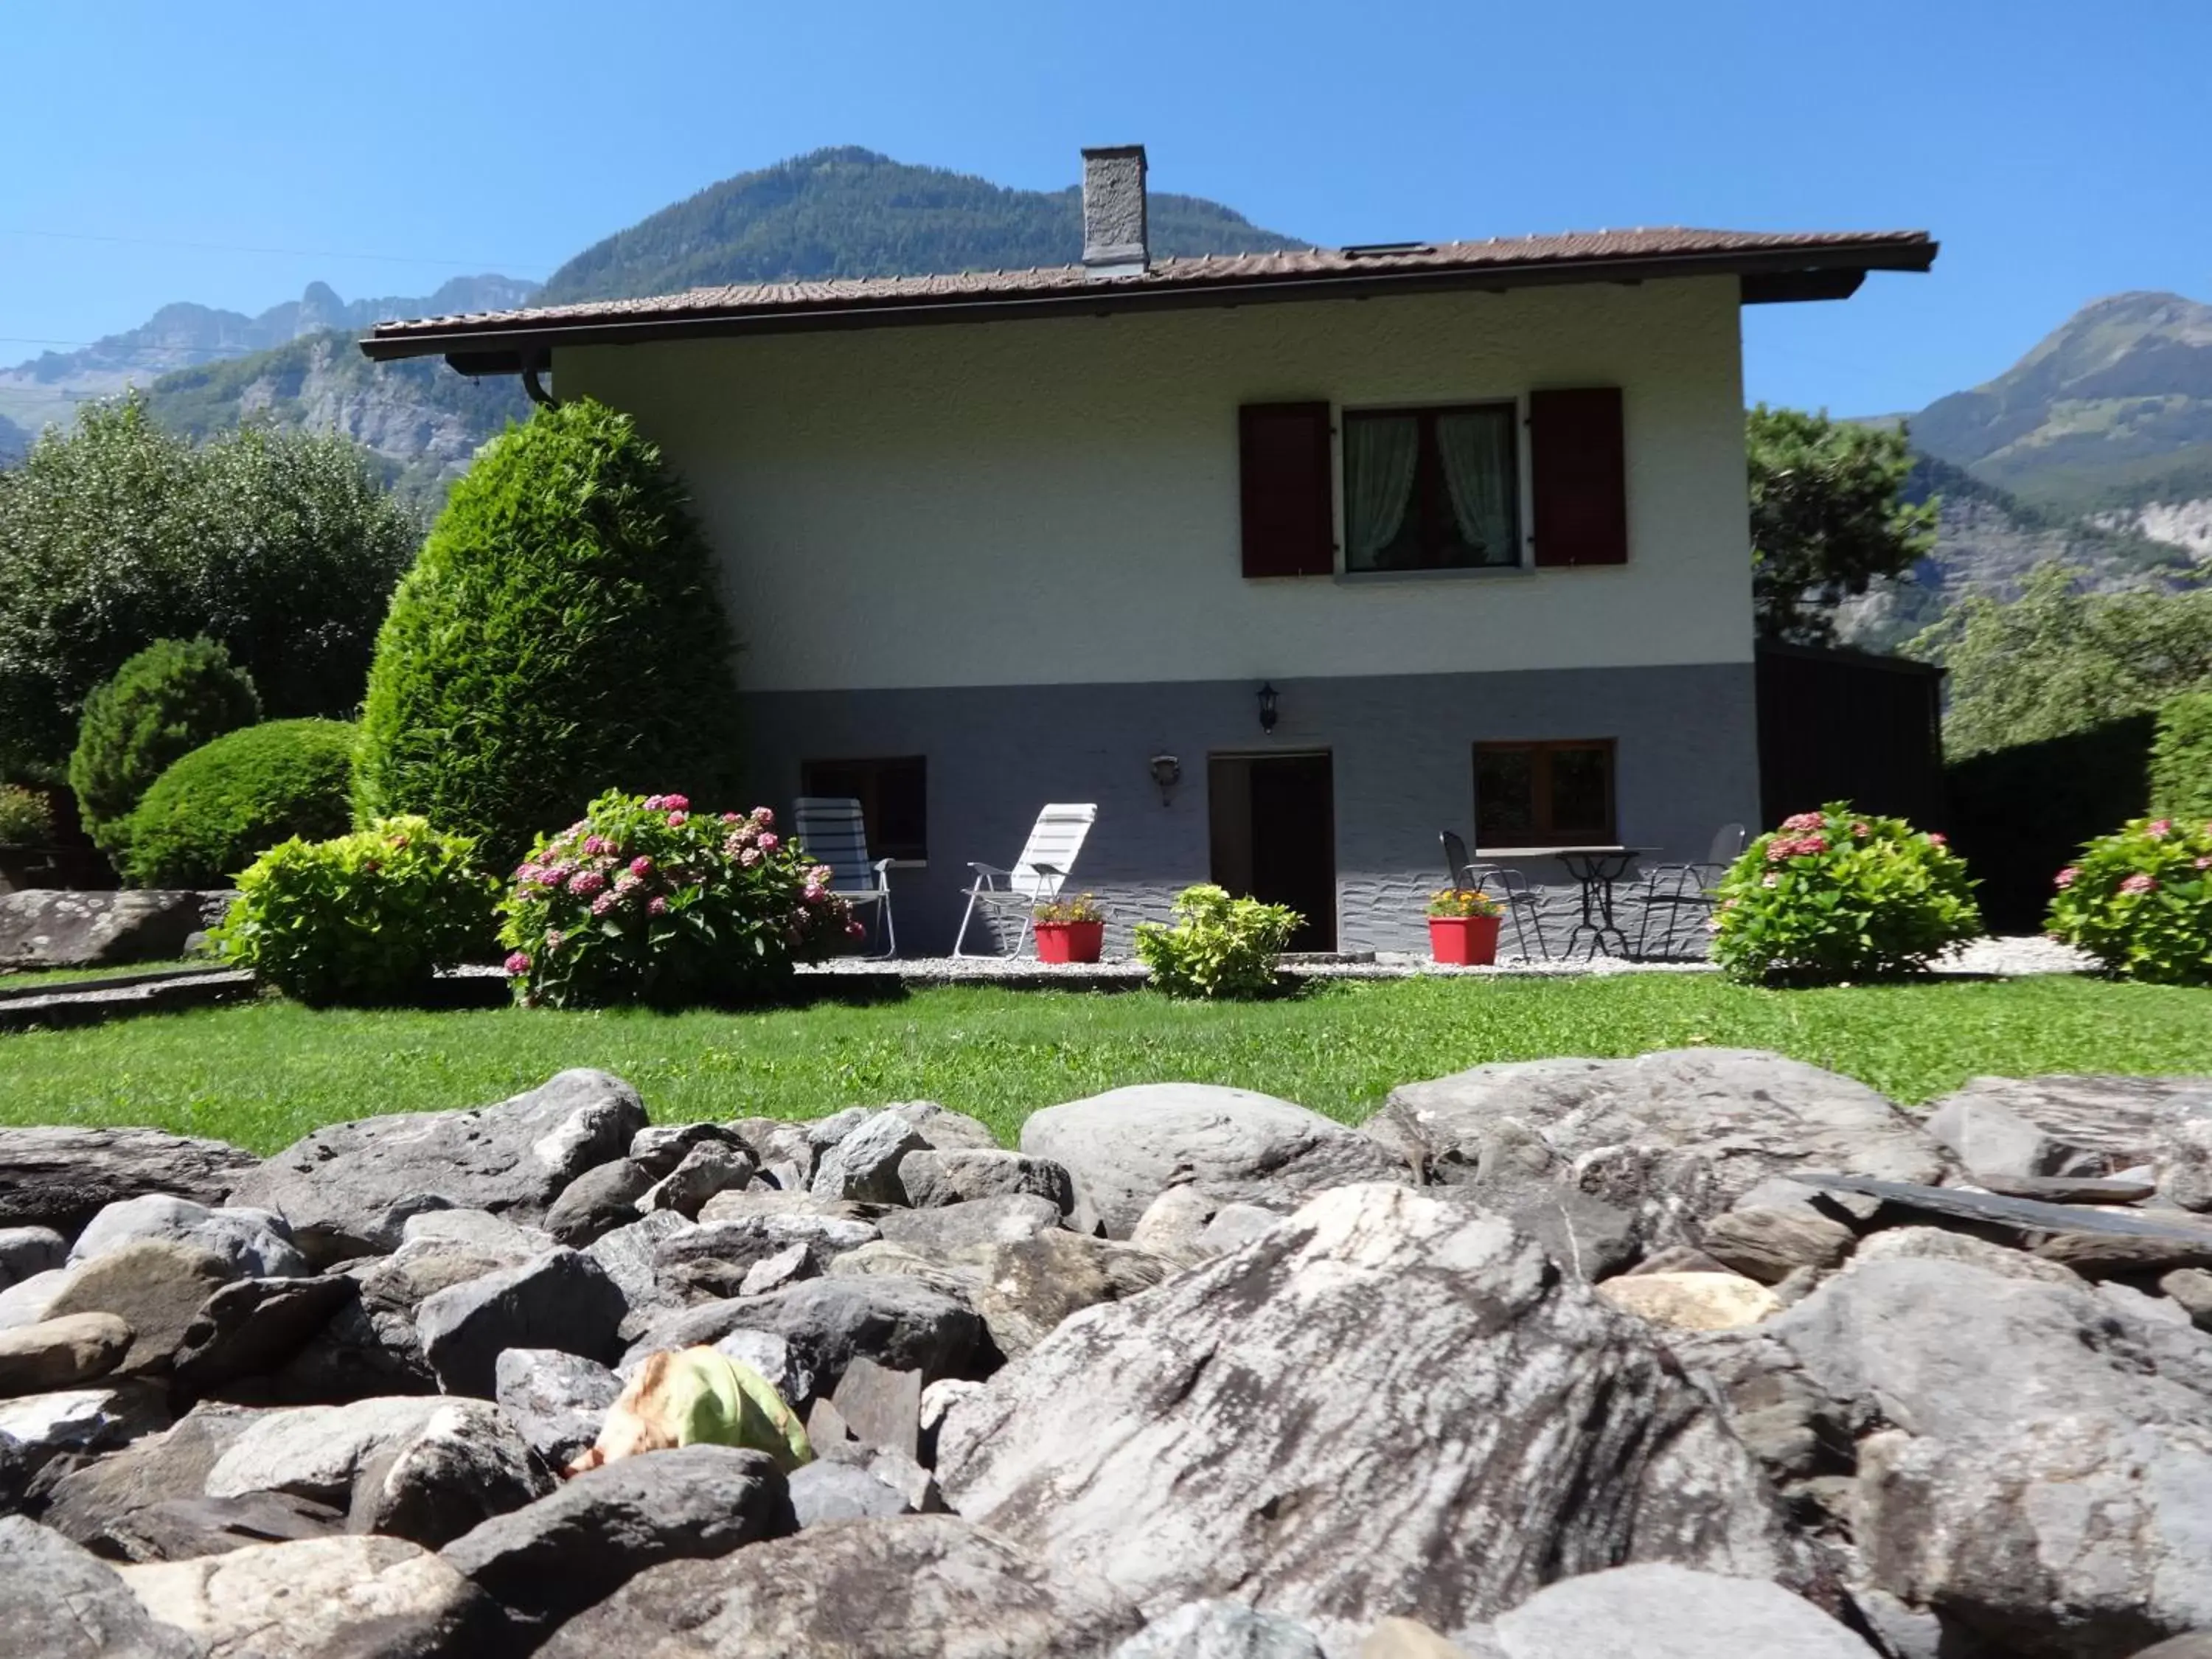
(1431, 488)
(1545, 794)
(894, 797)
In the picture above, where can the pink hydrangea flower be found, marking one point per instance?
(657, 906)
(855, 930)
(641, 866)
(2205, 863)
(1802, 821)
(596, 846)
(1772, 878)
(677, 819)
(734, 817)
(763, 817)
(518, 962)
(1778, 848)
(555, 939)
(2138, 883)
(1861, 830)
(585, 883)
(813, 894)
(2158, 828)
(769, 843)
(749, 856)
(676, 803)
(1812, 844)
(1936, 838)
(626, 883)
(654, 803)
(2066, 877)
(604, 903)
(821, 875)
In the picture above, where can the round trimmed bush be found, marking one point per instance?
(1220, 946)
(643, 901)
(1837, 895)
(2140, 901)
(366, 920)
(168, 700)
(228, 802)
(559, 635)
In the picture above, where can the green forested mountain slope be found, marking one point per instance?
(851, 212)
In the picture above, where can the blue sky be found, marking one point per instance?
(2059, 150)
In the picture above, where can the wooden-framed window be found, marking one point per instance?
(1431, 489)
(894, 797)
(1554, 794)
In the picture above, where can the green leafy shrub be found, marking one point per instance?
(1220, 946)
(163, 703)
(228, 802)
(643, 901)
(2181, 757)
(366, 920)
(281, 546)
(559, 636)
(1837, 895)
(2140, 901)
(26, 818)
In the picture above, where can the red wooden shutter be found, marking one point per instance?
(1579, 465)
(1289, 494)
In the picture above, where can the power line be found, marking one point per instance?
(289, 253)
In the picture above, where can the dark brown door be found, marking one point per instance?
(1274, 825)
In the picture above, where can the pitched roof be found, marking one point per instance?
(1773, 265)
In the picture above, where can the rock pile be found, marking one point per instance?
(1701, 1352)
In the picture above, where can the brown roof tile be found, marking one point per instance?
(1673, 251)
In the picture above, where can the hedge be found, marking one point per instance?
(2181, 757)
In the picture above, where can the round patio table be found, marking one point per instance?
(1596, 869)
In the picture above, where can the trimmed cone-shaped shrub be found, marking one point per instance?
(163, 703)
(228, 802)
(559, 636)
(2181, 757)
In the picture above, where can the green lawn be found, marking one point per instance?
(47, 979)
(264, 1073)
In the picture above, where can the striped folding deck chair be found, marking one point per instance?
(830, 828)
(1055, 840)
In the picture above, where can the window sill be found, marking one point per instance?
(1459, 572)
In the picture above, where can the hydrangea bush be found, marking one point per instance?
(1837, 895)
(644, 900)
(2140, 901)
(365, 920)
(1220, 946)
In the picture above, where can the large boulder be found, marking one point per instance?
(562, 1299)
(155, 1285)
(154, 1469)
(863, 1164)
(61, 1178)
(1022, 1288)
(319, 1599)
(253, 1326)
(67, 927)
(1658, 1611)
(426, 1469)
(56, 1601)
(180, 1529)
(1675, 1137)
(550, 1559)
(558, 1400)
(1222, 1630)
(976, 1221)
(369, 1347)
(2042, 1492)
(716, 1258)
(1390, 1404)
(2093, 1125)
(913, 1587)
(27, 1250)
(933, 1179)
(61, 1353)
(256, 1244)
(348, 1190)
(45, 1426)
(1125, 1147)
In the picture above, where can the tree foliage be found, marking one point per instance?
(559, 636)
(161, 705)
(2181, 757)
(1828, 517)
(2060, 660)
(282, 547)
(228, 802)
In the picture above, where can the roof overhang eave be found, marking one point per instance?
(1776, 276)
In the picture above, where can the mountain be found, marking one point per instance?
(834, 213)
(851, 212)
(48, 387)
(2111, 412)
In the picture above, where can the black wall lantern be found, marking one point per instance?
(1267, 715)
(1167, 772)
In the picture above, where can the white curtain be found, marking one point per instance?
(1379, 454)
(1477, 449)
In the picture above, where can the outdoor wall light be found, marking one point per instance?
(1167, 772)
(1267, 715)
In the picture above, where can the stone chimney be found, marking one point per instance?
(1114, 211)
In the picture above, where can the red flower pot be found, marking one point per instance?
(1070, 941)
(1464, 941)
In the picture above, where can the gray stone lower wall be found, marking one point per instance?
(1402, 762)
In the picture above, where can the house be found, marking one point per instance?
(1287, 561)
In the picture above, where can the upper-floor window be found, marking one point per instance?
(1431, 488)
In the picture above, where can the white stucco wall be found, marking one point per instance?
(1056, 502)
